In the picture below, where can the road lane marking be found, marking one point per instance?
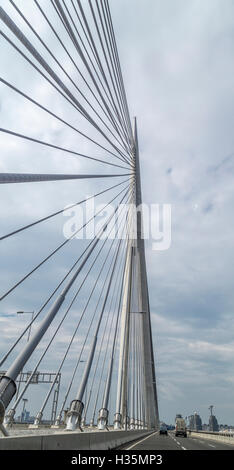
(177, 442)
(211, 445)
(142, 440)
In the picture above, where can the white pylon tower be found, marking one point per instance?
(136, 302)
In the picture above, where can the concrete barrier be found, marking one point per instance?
(216, 436)
(101, 440)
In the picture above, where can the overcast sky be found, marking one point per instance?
(177, 63)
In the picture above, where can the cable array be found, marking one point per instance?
(90, 83)
(67, 50)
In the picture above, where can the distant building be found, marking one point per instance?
(195, 422)
(24, 416)
(205, 427)
(213, 424)
(226, 428)
(170, 427)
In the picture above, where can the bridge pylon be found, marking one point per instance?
(136, 319)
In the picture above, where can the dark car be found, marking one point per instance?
(163, 429)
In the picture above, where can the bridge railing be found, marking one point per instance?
(227, 437)
(99, 440)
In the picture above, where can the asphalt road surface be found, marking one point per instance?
(171, 442)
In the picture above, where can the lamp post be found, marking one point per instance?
(25, 401)
(29, 331)
(20, 312)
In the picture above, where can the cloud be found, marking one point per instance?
(177, 64)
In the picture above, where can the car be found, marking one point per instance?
(163, 429)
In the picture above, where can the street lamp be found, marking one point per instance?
(29, 331)
(25, 401)
(20, 312)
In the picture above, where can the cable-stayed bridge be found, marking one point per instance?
(65, 95)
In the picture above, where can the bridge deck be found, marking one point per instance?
(170, 442)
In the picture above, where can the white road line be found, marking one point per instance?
(178, 443)
(142, 440)
(211, 445)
